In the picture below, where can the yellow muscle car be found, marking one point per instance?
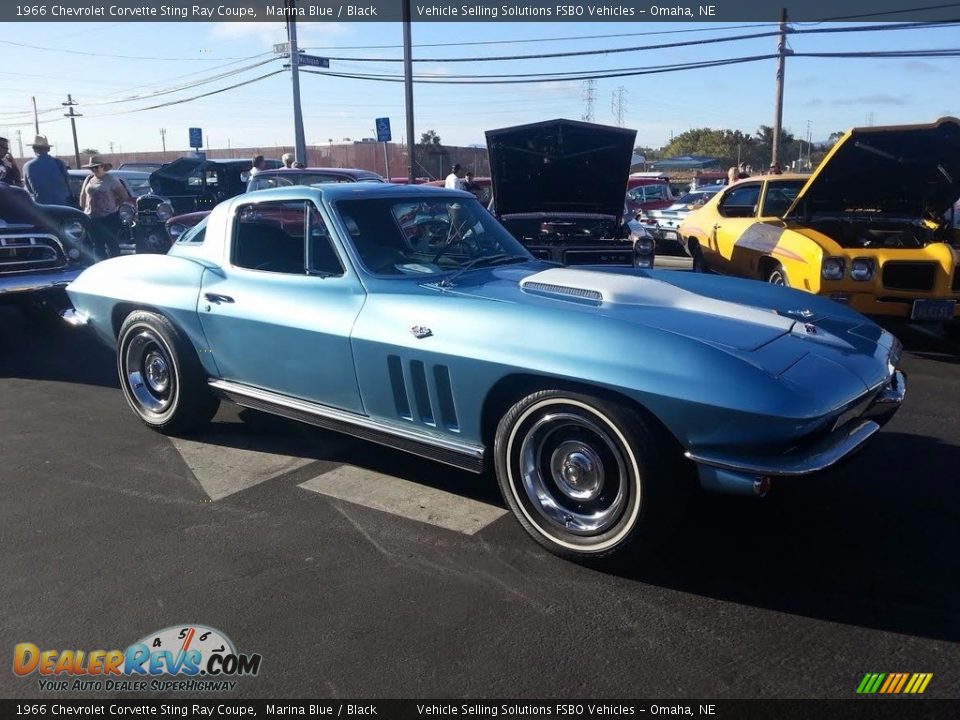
(873, 227)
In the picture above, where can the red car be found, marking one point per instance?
(648, 193)
(482, 188)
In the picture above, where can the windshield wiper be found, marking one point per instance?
(488, 260)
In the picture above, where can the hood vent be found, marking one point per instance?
(573, 293)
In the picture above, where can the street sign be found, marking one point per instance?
(196, 138)
(282, 48)
(314, 61)
(383, 130)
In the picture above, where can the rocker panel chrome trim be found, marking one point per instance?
(467, 456)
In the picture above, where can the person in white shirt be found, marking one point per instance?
(454, 180)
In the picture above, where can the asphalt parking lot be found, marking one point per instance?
(271, 532)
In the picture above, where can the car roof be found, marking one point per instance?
(349, 191)
(345, 172)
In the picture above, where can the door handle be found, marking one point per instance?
(218, 298)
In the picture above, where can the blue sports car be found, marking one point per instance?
(408, 316)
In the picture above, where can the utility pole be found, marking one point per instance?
(587, 95)
(163, 138)
(778, 112)
(20, 143)
(617, 104)
(300, 150)
(408, 92)
(36, 120)
(69, 104)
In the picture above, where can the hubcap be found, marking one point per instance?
(156, 371)
(573, 473)
(577, 470)
(148, 372)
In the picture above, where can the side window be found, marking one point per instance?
(270, 237)
(322, 257)
(195, 234)
(741, 201)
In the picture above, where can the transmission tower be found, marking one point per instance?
(618, 104)
(588, 95)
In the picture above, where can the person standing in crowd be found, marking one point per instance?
(287, 160)
(101, 196)
(9, 172)
(744, 172)
(468, 183)
(46, 177)
(257, 165)
(733, 174)
(775, 169)
(454, 181)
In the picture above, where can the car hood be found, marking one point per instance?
(909, 169)
(795, 337)
(560, 166)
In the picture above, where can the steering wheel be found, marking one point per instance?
(430, 234)
(455, 238)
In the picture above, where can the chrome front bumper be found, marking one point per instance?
(38, 281)
(742, 474)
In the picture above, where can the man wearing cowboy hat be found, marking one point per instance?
(101, 196)
(46, 177)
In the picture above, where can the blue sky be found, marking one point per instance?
(831, 94)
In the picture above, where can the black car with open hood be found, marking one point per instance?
(559, 187)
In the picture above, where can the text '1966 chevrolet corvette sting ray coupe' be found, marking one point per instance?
(583, 388)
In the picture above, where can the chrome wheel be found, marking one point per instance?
(573, 473)
(778, 277)
(149, 373)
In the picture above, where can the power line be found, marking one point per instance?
(529, 78)
(662, 46)
(108, 55)
(195, 97)
(542, 40)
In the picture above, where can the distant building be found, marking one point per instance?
(685, 162)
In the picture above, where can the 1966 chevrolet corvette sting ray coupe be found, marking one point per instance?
(584, 388)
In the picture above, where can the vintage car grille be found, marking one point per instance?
(598, 257)
(909, 275)
(25, 252)
(956, 279)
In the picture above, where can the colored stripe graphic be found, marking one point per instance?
(894, 683)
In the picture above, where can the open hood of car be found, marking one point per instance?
(560, 166)
(905, 170)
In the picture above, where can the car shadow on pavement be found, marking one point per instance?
(873, 543)
(926, 342)
(47, 349)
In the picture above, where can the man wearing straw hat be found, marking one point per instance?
(46, 177)
(101, 196)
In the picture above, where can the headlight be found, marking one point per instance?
(175, 231)
(832, 268)
(127, 214)
(73, 230)
(643, 245)
(164, 211)
(862, 269)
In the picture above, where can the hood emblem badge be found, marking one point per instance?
(810, 328)
(420, 332)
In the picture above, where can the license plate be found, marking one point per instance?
(933, 309)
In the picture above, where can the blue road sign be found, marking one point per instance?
(383, 130)
(314, 61)
(196, 138)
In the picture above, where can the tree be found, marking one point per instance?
(725, 145)
(430, 137)
(89, 151)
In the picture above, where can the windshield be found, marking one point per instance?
(415, 237)
(695, 198)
